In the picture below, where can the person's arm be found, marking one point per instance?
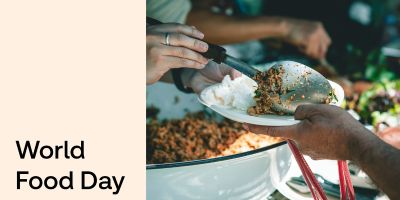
(222, 29)
(309, 36)
(328, 132)
(381, 162)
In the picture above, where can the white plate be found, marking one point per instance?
(266, 120)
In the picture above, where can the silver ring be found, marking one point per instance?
(166, 38)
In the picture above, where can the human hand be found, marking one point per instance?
(325, 132)
(182, 51)
(310, 37)
(213, 73)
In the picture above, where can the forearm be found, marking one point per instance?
(221, 29)
(381, 162)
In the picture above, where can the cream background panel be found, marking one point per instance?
(73, 70)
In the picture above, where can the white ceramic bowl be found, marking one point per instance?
(250, 175)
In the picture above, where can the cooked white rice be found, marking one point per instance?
(236, 93)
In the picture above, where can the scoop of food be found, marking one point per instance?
(286, 85)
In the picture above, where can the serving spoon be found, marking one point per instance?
(303, 84)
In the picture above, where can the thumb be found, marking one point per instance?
(288, 132)
(234, 74)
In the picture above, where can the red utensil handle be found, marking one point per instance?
(315, 187)
(346, 187)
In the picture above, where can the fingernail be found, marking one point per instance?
(204, 46)
(246, 127)
(199, 34)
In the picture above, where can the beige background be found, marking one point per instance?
(73, 70)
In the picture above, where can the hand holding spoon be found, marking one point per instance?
(299, 84)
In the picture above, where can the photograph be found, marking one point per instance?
(272, 99)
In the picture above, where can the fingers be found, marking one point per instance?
(177, 39)
(317, 47)
(316, 50)
(178, 28)
(313, 49)
(177, 62)
(199, 82)
(318, 43)
(226, 70)
(325, 43)
(180, 40)
(322, 51)
(323, 47)
(185, 53)
(289, 132)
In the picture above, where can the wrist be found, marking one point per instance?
(361, 145)
(281, 25)
(285, 27)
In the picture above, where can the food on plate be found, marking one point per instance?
(198, 137)
(236, 93)
(257, 97)
(268, 90)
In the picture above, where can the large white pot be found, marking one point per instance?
(250, 175)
